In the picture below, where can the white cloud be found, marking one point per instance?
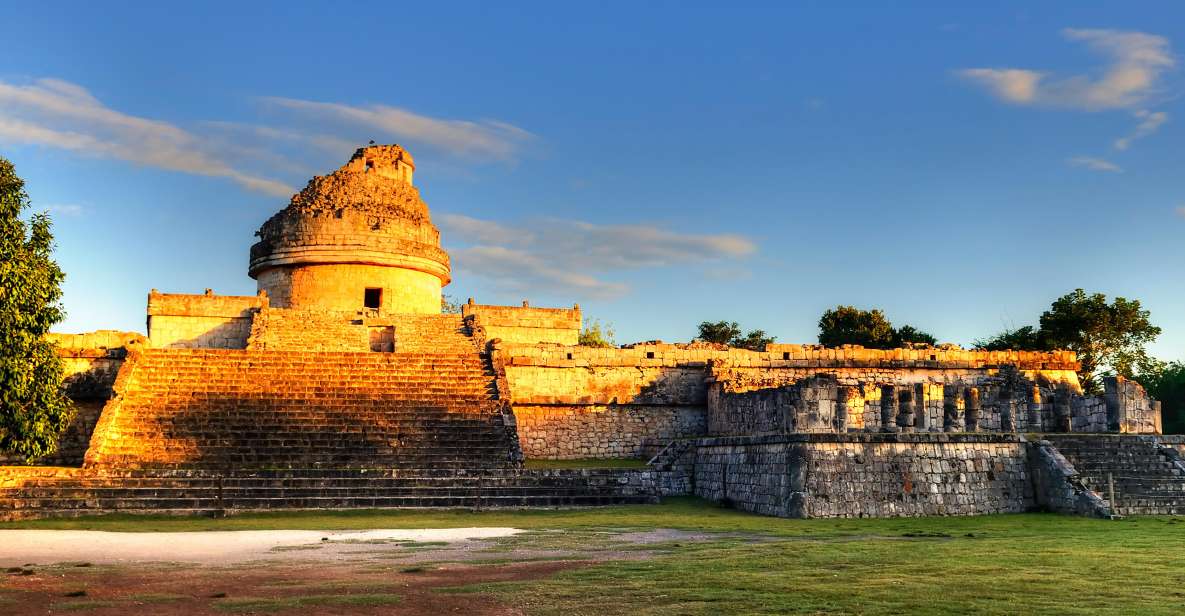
(490, 138)
(1150, 122)
(1136, 61)
(572, 256)
(60, 114)
(66, 209)
(1094, 164)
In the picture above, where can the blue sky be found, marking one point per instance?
(659, 163)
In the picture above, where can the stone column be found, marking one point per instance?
(1061, 409)
(842, 395)
(1035, 423)
(1113, 399)
(950, 408)
(1007, 409)
(922, 413)
(888, 408)
(905, 410)
(971, 408)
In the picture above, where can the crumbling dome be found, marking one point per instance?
(359, 238)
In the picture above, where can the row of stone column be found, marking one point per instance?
(902, 408)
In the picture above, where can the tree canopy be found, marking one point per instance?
(1168, 385)
(33, 409)
(867, 328)
(597, 334)
(1107, 337)
(729, 332)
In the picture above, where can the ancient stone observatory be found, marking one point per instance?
(358, 237)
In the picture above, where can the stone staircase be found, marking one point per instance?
(288, 409)
(1146, 481)
(206, 492)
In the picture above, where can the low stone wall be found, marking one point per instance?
(205, 321)
(527, 325)
(566, 432)
(866, 475)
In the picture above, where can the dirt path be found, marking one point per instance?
(18, 547)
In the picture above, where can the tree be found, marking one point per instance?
(596, 334)
(867, 328)
(1168, 386)
(1027, 338)
(1107, 337)
(908, 334)
(449, 304)
(1103, 335)
(729, 332)
(33, 409)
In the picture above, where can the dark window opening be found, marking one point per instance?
(650, 355)
(369, 166)
(785, 355)
(569, 356)
(373, 298)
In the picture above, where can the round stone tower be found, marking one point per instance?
(358, 238)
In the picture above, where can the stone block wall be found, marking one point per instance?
(526, 325)
(866, 475)
(565, 432)
(205, 321)
(90, 364)
(284, 329)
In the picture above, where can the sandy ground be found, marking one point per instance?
(19, 547)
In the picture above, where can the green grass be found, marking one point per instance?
(1017, 564)
(585, 463)
(998, 564)
(267, 604)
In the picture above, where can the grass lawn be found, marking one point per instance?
(1003, 564)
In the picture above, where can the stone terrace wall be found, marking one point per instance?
(576, 402)
(565, 432)
(284, 329)
(201, 321)
(816, 475)
(90, 363)
(526, 325)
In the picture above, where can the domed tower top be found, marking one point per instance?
(357, 238)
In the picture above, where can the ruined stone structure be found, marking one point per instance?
(341, 384)
(359, 237)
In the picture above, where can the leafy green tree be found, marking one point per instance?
(1027, 338)
(597, 334)
(1168, 385)
(1108, 337)
(1102, 334)
(730, 333)
(867, 328)
(908, 334)
(33, 409)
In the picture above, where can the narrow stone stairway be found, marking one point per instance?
(1145, 480)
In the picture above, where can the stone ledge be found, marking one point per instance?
(822, 437)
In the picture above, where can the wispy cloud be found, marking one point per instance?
(491, 138)
(1135, 62)
(1094, 164)
(70, 210)
(576, 256)
(1149, 122)
(60, 114)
